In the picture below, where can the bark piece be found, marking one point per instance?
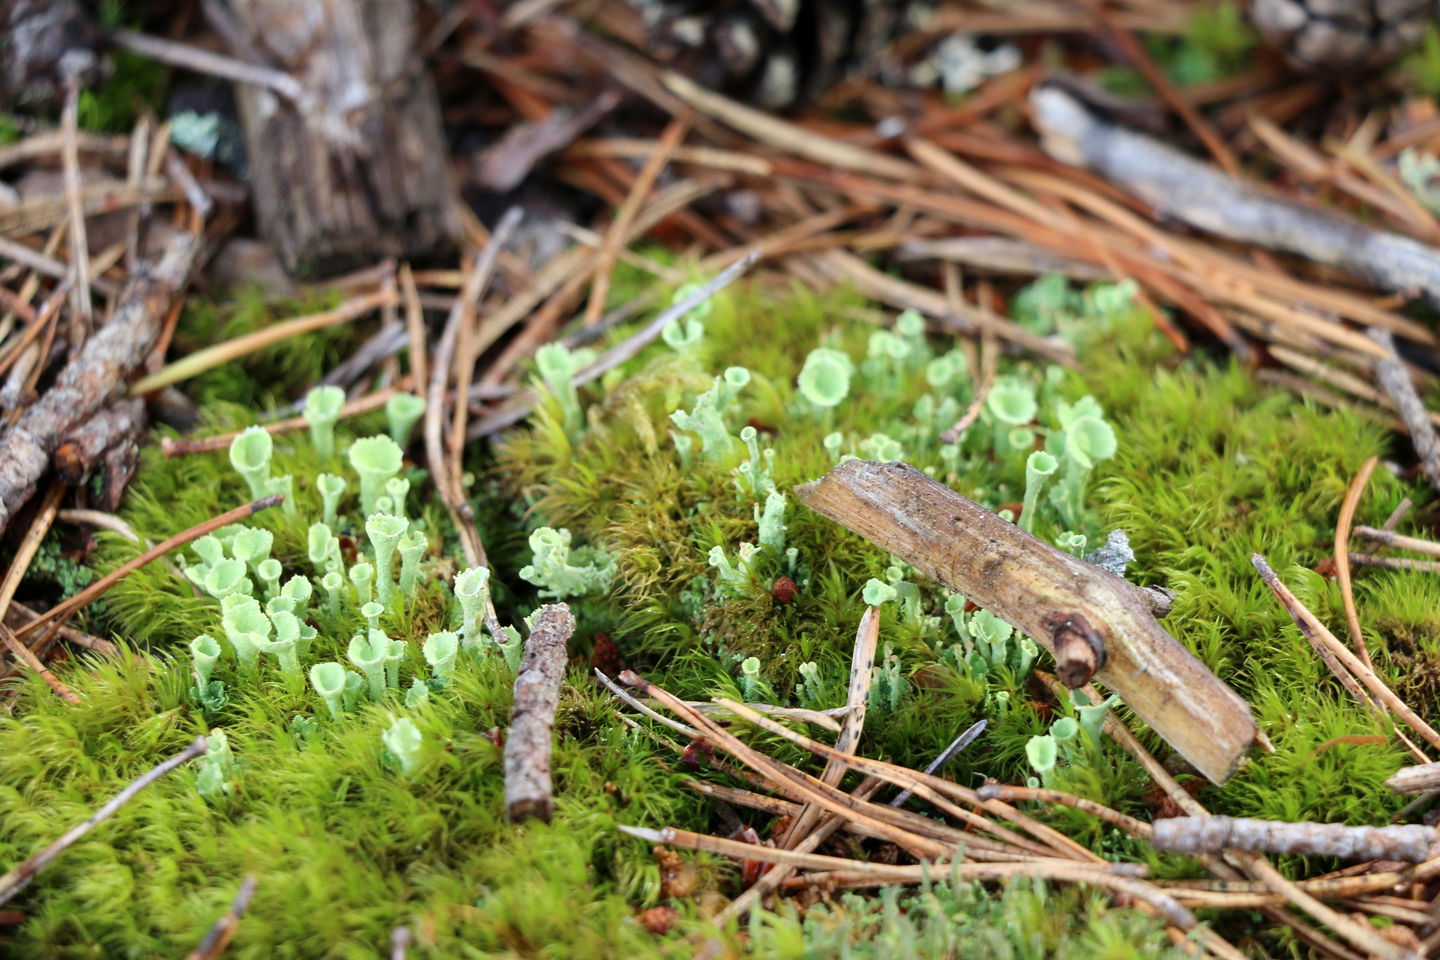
(1180, 186)
(357, 167)
(1395, 380)
(1042, 592)
(1421, 778)
(96, 376)
(532, 721)
(83, 446)
(1411, 843)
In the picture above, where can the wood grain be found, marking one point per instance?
(1040, 591)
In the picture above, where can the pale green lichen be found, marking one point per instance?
(561, 572)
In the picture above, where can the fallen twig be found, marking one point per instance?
(1181, 186)
(217, 938)
(1394, 563)
(81, 449)
(1389, 538)
(530, 741)
(1412, 843)
(1420, 778)
(95, 376)
(15, 881)
(1065, 604)
(67, 608)
(1395, 381)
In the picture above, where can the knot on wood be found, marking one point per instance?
(1079, 649)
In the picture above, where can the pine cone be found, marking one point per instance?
(772, 53)
(1323, 36)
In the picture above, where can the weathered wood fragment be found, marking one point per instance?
(530, 741)
(1043, 592)
(1411, 843)
(356, 167)
(1420, 778)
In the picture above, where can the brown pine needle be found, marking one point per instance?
(1100, 875)
(862, 667)
(930, 788)
(670, 138)
(66, 609)
(172, 447)
(211, 357)
(1320, 635)
(18, 567)
(1342, 556)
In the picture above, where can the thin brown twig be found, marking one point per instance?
(19, 614)
(1102, 875)
(1395, 380)
(466, 354)
(79, 247)
(1395, 563)
(16, 880)
(218, 937)
(1388, 538)
(862, 666)
(62, 611)
(415, 328)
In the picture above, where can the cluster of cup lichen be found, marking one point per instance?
(672, 482)
(261, 616)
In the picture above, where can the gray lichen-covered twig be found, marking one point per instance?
(16, 880)
(1180, 186)
(96, 376)
(530, 741)
(1420, 778)
(1395, 381)
(1412, 843)
(1052, 596)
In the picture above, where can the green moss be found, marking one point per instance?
(268, 377)
(1210, 467)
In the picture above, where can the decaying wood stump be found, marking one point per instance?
(355, 167)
